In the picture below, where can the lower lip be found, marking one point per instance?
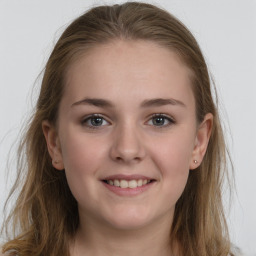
(128, 191)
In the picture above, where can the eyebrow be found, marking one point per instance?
(146, 103)
(162, 102)
(95, 102)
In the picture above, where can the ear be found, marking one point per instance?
(201, 141)
(53, 144)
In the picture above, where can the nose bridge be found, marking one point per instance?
(127, 143)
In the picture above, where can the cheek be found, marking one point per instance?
(81, 158)
(174, 152)
(80, 153)
(173, 159)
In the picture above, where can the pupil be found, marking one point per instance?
(158, 121)
(96, 121)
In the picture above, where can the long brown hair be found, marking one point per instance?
(45, 216)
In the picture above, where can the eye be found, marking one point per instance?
(94, 121)
(160, 120)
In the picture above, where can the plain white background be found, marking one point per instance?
(226, 32)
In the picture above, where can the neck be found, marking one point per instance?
(96, 239)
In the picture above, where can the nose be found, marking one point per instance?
(127, 146)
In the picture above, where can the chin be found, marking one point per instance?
(128, 224)
(129, 219)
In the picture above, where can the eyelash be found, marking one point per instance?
(165, 117)
(95, 116)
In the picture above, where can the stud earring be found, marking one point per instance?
(55, 161)
(195, 161)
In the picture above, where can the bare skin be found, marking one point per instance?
(130, 243)
(127, 115)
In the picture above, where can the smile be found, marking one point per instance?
(128, 185)
(122, 183)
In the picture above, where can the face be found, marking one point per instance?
(127, 134)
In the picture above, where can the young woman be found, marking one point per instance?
(125, 153)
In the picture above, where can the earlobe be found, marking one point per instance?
(53, 144)
(201, 141)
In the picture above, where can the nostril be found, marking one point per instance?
(119, 159)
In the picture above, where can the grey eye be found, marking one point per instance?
(94, 121)
(160, 120)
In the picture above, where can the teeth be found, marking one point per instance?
(139, 183)
(132, 184)
(116, 183)
(128, 184)
(144, 182)
(124, 184)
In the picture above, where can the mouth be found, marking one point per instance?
(128, 183)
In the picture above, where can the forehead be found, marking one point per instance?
(131, 68)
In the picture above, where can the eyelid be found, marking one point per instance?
(88, 117)
(167, 117)
(170, 119)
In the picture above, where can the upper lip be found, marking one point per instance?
(127, 177)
